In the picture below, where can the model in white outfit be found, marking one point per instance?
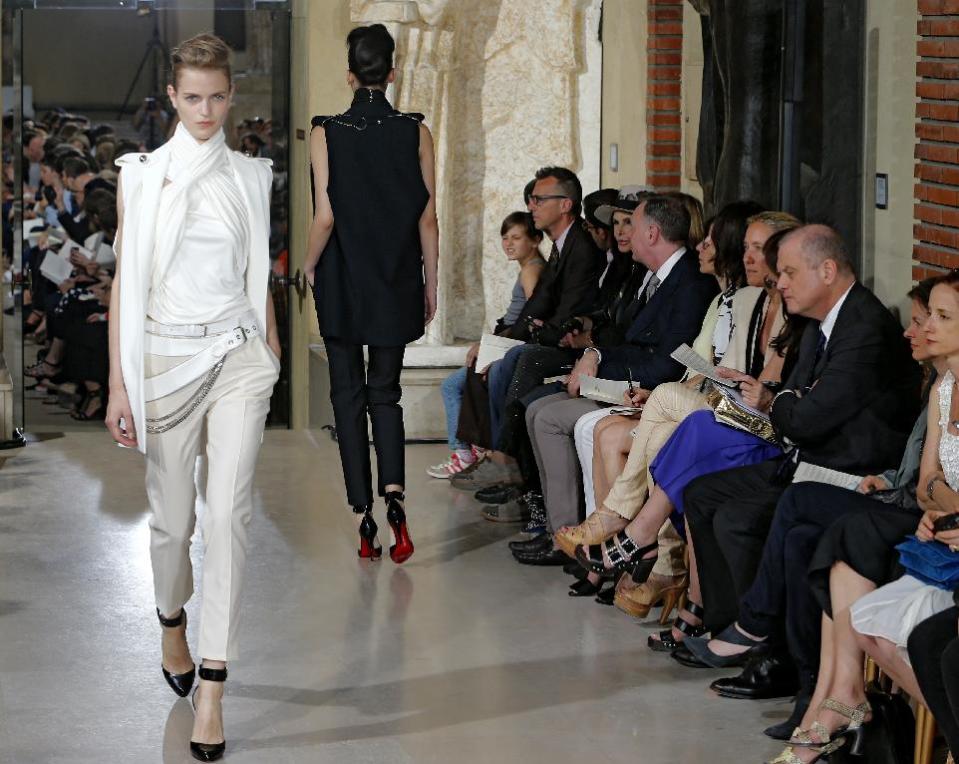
(191, 371)
(891, 612)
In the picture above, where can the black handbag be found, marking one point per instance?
(890, 735)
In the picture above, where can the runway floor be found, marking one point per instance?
(460, 655)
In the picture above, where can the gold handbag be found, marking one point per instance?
(727, 412)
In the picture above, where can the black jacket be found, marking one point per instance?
(860, 400)
(568, 287)
(673, 316)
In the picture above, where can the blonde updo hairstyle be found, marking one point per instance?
(204, 51)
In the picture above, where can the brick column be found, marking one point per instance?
(663, 98)
(937, 127)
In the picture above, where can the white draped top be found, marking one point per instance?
(206, 281)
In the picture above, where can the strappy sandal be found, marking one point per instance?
(620, 550)
(789, 757)
(666, 642)
(856, 728)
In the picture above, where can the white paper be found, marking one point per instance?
(812, 473)
(69, 245)
(55, 267)
(493, 348)
(30, 225)
(699, 365)
(603, 390)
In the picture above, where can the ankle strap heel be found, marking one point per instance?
(212, 675)
(402, 548)
(208, 751)
(368, 529)
(170, 623)
(179, 683)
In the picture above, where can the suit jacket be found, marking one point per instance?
(865, 391)
(672, 316)
(568, 287)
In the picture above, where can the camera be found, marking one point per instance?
(50, 194)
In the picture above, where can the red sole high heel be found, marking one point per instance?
(368, 550)
(402, 549)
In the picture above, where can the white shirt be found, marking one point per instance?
(206, 281)
(829, 321)
(562, 238)
(609, 263)
(664, 270)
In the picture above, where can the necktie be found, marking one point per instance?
(820, 349)
(554, 255)
(651, 286)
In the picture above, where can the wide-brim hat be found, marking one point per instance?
(628, 200)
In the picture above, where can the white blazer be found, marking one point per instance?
(141, 178)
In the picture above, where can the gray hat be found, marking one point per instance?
(628, 200)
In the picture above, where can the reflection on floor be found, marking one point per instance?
(458, 656)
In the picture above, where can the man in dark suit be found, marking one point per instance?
(666, 312)
(848, 405)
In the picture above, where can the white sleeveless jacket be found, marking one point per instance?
(141, 178)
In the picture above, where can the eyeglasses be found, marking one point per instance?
(536, 199)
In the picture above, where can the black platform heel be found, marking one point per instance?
(368, 529)
(622, 553)
(208, 751)
(402, 547)
(180, 683)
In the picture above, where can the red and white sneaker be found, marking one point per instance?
(458, 461)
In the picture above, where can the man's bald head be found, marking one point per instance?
(819, 243)
(815, 270)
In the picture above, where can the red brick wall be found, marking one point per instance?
(937, 127)
(664, 73)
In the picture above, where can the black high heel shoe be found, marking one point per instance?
(208, 751)
(180, 683)
(368, 529)
(402, 548)
(622, 553)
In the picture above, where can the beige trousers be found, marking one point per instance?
(227, 428)
(669, 405)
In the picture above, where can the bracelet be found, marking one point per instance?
(591, 349)
(931, 485)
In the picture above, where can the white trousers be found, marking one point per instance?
(583, 437)
(227, 428)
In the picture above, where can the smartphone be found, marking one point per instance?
(946, 523)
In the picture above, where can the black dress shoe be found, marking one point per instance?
(548, 556)
(542, 541)
(685, 658)
(501, 493)
(699, 646)
(784, 730)
(765, 676)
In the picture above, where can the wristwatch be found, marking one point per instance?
(931, 485)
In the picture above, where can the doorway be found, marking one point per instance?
(85, 82)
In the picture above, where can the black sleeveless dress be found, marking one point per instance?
(369, 282)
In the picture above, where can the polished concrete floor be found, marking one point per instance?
(460, 655)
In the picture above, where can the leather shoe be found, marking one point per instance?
(501, 493)
(784, 730)
(548, 556)
(685, 658)
(765, 676)
(542, 541)
(699, 646)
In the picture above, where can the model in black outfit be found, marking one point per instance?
(372, 261)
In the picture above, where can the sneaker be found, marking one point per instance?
(478, 475)
(457, 463)
(512, 512)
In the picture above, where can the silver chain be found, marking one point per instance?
(161, 424)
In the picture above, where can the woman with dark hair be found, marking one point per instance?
(521, 242)
(372, 263)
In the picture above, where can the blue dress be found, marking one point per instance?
(699, 446)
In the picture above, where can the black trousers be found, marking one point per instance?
(934, 653)
(356, 391)
(781, 588)
(729, 514)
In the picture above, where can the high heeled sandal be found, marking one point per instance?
(595, 529)
(621, 551)
(368, 529)
(789, 757)
(666, 642)
(179, 683)
(402, 547)
(856, 729)
(208, 751)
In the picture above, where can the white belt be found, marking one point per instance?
(207, 344)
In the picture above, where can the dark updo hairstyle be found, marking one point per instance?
(921, 291)
(525, 221)
(370, 54)
(729, 231)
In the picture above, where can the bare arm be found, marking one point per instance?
(322, 225)
(119, 406)
(429, 228)
(529, 277)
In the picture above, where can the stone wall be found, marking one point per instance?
(937, 152)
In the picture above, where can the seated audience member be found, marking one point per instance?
(605, 324)
(568, 287)
(603, 441)
(815, 526)
(667, 312)
(880, 621)
(520, 245)
(848, 405)
(934, 654)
